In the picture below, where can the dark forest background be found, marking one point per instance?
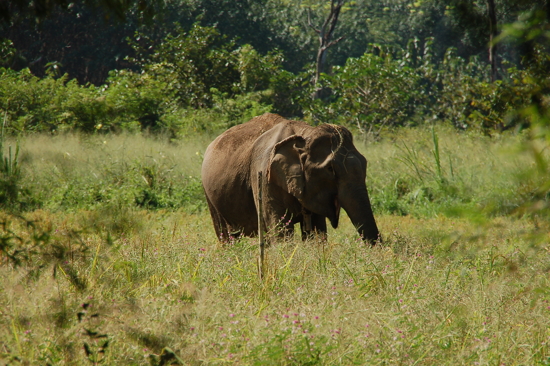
(181, 65)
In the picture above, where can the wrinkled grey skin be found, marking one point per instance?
(310, 172)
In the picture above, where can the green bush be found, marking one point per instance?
(400, 87)
(195, 70)
(139, 100)
(201, 72)
(191, 63)
(373, 91)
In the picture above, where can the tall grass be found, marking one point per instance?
(439, 291)
(430, 171)
(118, 284)
(422, 172)
(10, 173)
(84, 172)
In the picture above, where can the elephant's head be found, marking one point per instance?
(322, 168)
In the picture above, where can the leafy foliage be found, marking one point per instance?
(397, 87)
(199, 69)
(195, 62)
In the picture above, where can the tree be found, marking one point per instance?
(325, 35)
(13, 10)
(85, 39)
(493, 32)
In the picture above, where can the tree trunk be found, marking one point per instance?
(492, 36)
(325, 34)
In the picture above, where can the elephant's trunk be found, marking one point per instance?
(355, 201)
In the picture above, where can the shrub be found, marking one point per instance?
(373, 91)
(399, 87)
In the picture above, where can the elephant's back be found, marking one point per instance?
(243, 136)
(232, 148)
(227, 158)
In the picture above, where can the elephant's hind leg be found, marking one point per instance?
(220, 225)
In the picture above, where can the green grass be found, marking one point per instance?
(115, 283)
(422, 172)
(411, 174)
(439, 291)
(85, 172)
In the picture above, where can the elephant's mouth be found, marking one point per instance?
(336, 217)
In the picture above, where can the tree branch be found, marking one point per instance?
(334, 14)
(332, 43)
(309, 21)
(325, 38)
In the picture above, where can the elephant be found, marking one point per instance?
(309, 172)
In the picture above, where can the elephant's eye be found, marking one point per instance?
(330, 168)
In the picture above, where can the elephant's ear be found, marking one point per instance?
(285, 168)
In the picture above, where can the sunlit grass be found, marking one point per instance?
(72, 171)
(439, 291)
(83, 154)
(492, 175)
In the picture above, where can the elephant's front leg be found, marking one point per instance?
(313, 225)
(281, 211)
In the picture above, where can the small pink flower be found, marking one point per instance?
(232, 315)
(285, 315)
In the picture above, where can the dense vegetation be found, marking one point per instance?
(399, 63)
(106, 249)
(87, 37)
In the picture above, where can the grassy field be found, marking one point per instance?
(462, 277)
